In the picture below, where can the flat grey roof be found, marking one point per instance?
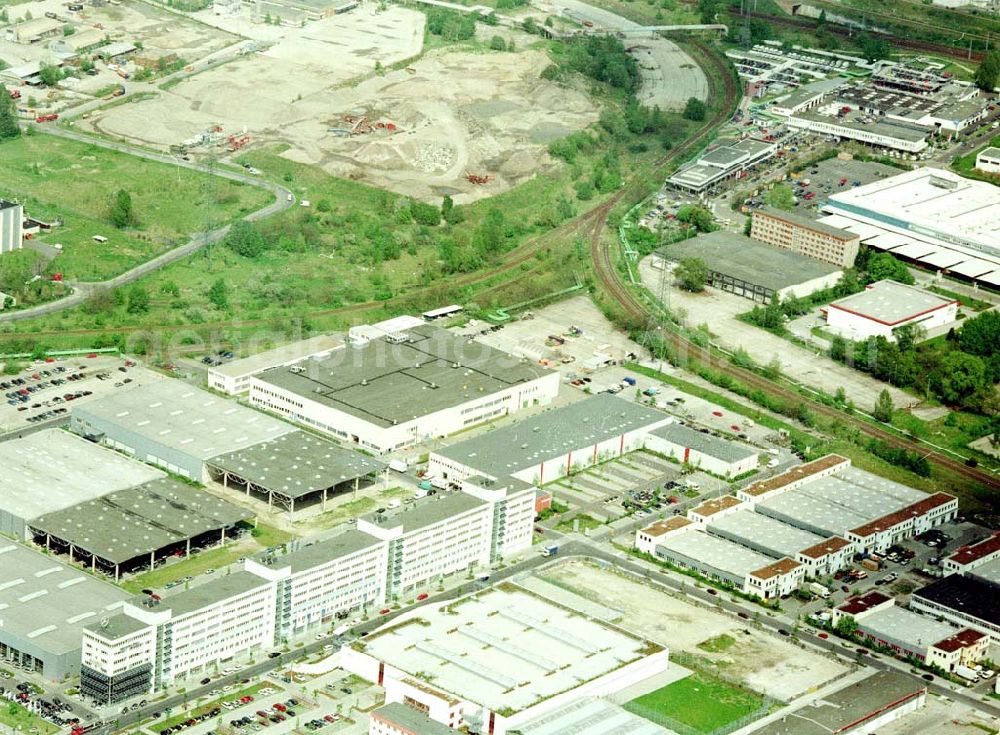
(890, 302)
(714, 446)
(812, 513)
(47, 602)
(387, 383)
(738, 256)
(128, 523)
(906, 626)
(117, 626)
(777, 538)
(296, 464)
(221, 587)
(54, 469)
(311, 555)
(551, 434)
(990, 152)
(425, 511)
(810, 91)
(716, 552)
(590, 716)
(851, 705)
(283, 355)
(409, 720)
(807, 222)
(898, 131)
(185, 418)
(990, 571)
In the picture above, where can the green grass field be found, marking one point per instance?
(697, 701)
(718, 644)
(586, 524)
(73, 181)
(19, 719)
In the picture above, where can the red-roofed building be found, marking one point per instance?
(880, 534)
(967, 558)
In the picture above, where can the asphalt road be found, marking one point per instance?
(82, 290)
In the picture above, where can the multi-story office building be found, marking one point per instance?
(153, 643)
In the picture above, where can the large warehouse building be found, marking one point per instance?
(710, 453)
(541, 657)
(53, 470)
(175, 426)
(46, 605)
(729, 159)
(830, 497)
(234, 377)
(885, 306)
(751, 269)
(390, 391)
(552, 444)
(927, 216)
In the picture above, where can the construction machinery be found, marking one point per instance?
(478, 178)
(238, 142)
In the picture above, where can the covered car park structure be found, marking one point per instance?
(294, 471)
(138, 527)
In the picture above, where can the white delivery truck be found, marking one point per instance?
(819, 590)
(967, 673)
(398, 465)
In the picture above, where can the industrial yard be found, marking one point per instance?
(322, 102)
(775, 668)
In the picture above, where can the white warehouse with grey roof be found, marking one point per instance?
(174, 425)
(550, 445)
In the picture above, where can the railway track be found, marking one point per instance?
(911, 44)
(617, 289)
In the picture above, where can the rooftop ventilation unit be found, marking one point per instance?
(399, 338)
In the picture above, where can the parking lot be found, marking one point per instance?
(44, 392)
(54, 713)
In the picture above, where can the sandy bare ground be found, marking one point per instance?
(455, 112)
(764, 662)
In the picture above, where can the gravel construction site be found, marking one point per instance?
(419, 131)
(760, 660)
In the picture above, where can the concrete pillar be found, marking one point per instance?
(324, 497)
(48, 539)
(291, 509)
(71, 553)
(117, 570)
(223, 536)
(270, 499)
(187, 551)
(152, 560)
(93, 563)
(357, 481)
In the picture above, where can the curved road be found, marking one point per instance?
(81, 291)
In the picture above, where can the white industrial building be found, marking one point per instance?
(988, 160)
(234, 377)
(829, 497)
(885, 306)
(712, 454)
(552, 444)
(502, 659)
(155, 642)
(392, 389)
(729, 159)
(927, 216)
(879, 133)
(11, 222)
(967, 558)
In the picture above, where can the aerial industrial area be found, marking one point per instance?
(514, 367)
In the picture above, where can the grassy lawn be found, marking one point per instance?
(966, 164)
(718, 644)
(17, 717)
(74, 182)
(586, 524)
(235, 694)
(264, 537)
(395, 492)
(345, 512)
(698, 701)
